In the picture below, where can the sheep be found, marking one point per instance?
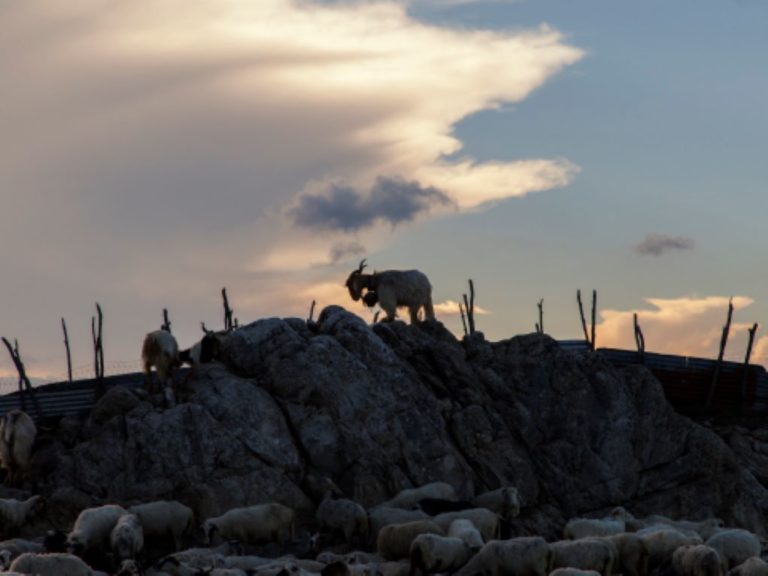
(587, 527)
(696, 560)
(54, 564)
(15, 513)
(160, 350)
(586, 554)
(528, 556)
(632, 554)
(17, 546)
(431, 553)
(467, 532)
(381, 516)
(662, 541)
(573, 572)
(17, 437)
(127, 537)
(394, 288)
(342, 515)
(92, 529)
(253, 525)
(435, 506)
(504, 501)
(394, 541)
(410, 497)
(487, 522)
(165, 520)
(735, 546)
(753, 566)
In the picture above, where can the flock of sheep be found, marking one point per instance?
(421, 531)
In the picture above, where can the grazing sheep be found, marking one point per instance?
(127, 537)
(160, 350)
(17, 436)
(394, 541)
(467, 532)
(92, 529)
(54, 564)
(381, 516)
(394, 288)
(342, 515)
(586, 554)
(588, 527)
(632, 554)
(252, 525)
(505, 501)
(165, 520)
(705, 528)
(696, 560)
(735, 546)
(750, 567)
(528, 556)
(662, 541)
(485, 521)
(432, 553)
(15, 513)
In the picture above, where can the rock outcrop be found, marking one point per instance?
(378, 409)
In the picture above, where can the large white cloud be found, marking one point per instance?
(150, 150)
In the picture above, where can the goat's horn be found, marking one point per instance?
(362, 265)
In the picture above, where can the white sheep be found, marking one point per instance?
(253, 524)
(696, 560)
(662, 541)
(632, 554)
(127, 537)
(165, 520)
(381, 516)
(586, 554)
(527, 556)
(393, 289)
(485, 521)
(432, 553)
(588, 527)
(410, 497)
(505, 501)
(17, 437)
(342, 515)
(54, 564)
(467, 532)
(92, 529)
(15, 513)
(10, 549)
(160, 350)
(394, 540)
(753, 566)
(735, 546)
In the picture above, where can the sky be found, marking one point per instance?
(153, 152)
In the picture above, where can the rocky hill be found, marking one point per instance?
(382, 408)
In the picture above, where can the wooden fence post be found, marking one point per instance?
(166, 322)
(723, 342)
(66, 346)
(747, 356)
(25, 386)
(469, 307)
(639, 340)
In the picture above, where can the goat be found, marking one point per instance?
(393, 289)
(17, 436)
(160, 350)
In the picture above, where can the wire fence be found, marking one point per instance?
(10, 384)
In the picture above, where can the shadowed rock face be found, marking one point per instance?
(384, 408)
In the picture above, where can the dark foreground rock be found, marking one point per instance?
(385, 408)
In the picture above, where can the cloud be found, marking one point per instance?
(391, 200)
(657, 244)
(690, 326)
(344, 250)
(451, 308)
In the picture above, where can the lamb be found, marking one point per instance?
(432, 553)
(750, 567)
(487, 522)
(467, 532)
(15, 513)
(586, 554)
(342, 515)
(55, 564)
(735, 546)
(385, 515)
(528, 556)
(165, 520)
(127, 537)
(394, 541)
(92, 529)
(160, 350)
(17, 437)
(696, 560)
(253, 525)
(394, 288)
(504, 501)
(662, 541)
(587, 527)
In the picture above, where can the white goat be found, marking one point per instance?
(17, 436)
(393, 289)
(160, 350)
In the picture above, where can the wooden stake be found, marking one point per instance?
(639, 340)
(540, 325)
(228, 325)
(723, 342)
(25, 386)
(594, 323)
(581, 313)
(312, 311)
(463, 318)
(66, 345)
(166, 322)
(98, 346)
(469, 307)
(747, 356)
